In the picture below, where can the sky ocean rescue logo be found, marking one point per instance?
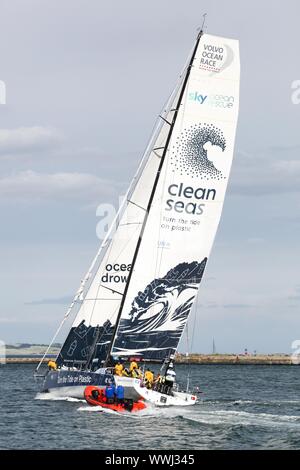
(217, 101)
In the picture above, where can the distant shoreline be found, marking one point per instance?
(205, 359)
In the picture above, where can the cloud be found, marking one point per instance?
(296, 295)
(255, 240)
(271, 172)
(54, 301)
(8, 320)
(33, 186)
(237, 306)
(24, 140)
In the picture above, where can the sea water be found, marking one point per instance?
(241, 407)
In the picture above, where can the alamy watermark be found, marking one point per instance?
(2, 352)
(295, 96)
(2, 92)
(110, 219)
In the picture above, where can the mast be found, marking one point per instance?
(175, 110)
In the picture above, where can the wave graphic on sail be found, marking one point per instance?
(159, 313)
(190, 156)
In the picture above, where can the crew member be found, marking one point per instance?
(160, 385)
(134, 370)
(110, 394)
(126, 372)
(133, 365)
(52, 365)
(149, 378)
(170, 378)
(118, 368)
(156, 382)
(119, 394)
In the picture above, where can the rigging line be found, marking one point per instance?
(101, 298)
(155, 151)
(112, 290)
(185, 81)
(50, 344)
(130, 223)
(94, 305)
(135, 204)
(170, 124)
(203, 22)
(195, 321)
(99, 336)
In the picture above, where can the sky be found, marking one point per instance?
(85, 82)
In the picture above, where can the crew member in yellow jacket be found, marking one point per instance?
(118, 369)
(149, 377)
(52, 365)
(134, 370)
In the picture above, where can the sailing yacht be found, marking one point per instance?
(136, 297)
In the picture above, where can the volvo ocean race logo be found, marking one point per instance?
(189, 155)
(216, 58)
(215, 100)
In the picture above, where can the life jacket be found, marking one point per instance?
(118, 369)
(120, 392)
(149, 376)
(110, 391)
(133, 365)
(52, 365)
(136, 373)
(170, 375)
(125, 373)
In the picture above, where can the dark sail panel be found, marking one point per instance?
(159, 313)
(85, 343)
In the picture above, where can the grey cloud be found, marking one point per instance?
(296, 295)
(33, 186)
(54, 301)
(237, 306)
(24, 140)
(270, 172)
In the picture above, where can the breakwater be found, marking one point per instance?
(259, 359)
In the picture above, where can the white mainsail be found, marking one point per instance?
(99, 301)
(186, 205)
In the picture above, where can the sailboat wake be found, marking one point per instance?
(53, 397)
(241, 418)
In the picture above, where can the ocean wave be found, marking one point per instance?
(52, 397)
(237, 418)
